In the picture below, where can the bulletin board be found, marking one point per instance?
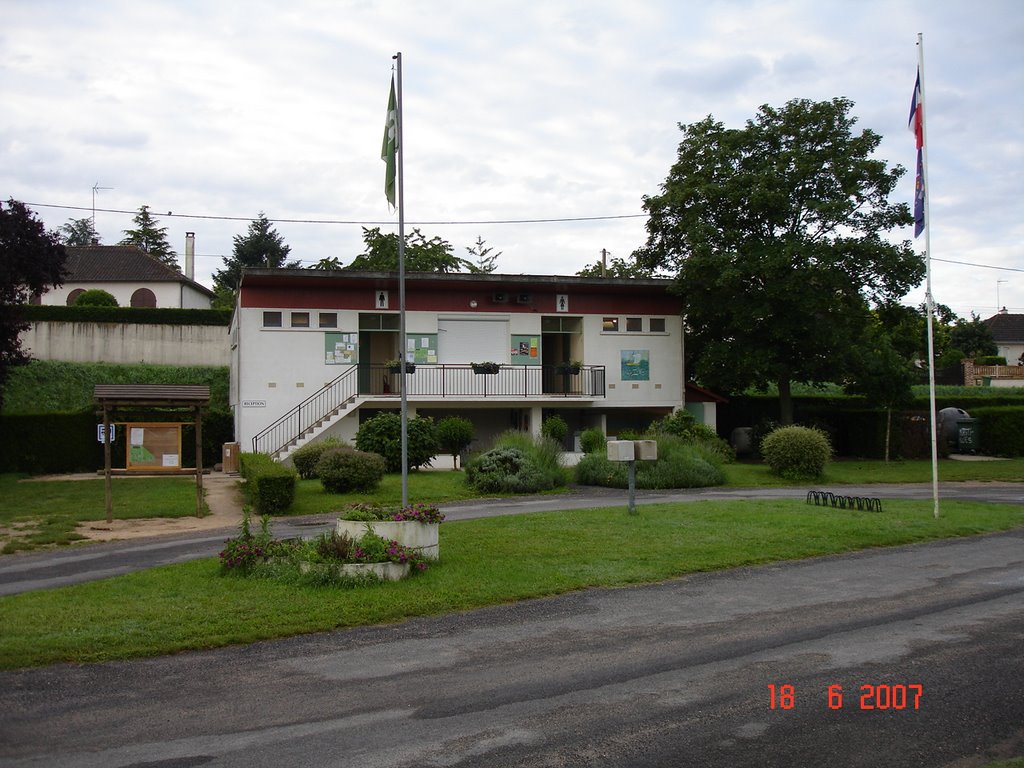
(154, 446)
(341, 348)
(525, 350)
(421, 348)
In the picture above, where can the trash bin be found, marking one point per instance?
(229, 457)
(949, 430)
(967, 435)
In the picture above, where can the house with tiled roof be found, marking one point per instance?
(130, 275)
(1008, 333)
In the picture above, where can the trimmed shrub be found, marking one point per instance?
(306, 458)
(115, 314)
(990, 360)
(454, 435)
(382, 434)
(797, 453)
(95, 297)
(1000, 430)
(517, 464)
(593, 440)
(342, 469)
(269, 486)
(677, 423)
(555, 428)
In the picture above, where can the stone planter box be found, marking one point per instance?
(382, 571)
(421, 536)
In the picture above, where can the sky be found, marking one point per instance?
(536, 126)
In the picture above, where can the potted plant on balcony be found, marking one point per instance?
(485, 367)
(569, 368)
(395, 366)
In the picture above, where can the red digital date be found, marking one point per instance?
(883, 696)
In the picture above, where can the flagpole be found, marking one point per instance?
(928, 277)
(401, 289)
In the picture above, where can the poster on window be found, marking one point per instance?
(636, 365)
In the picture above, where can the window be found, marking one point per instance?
(374, 322)
(328, 319)
(610, 325)
(657, 325)
(561, 325)
(143, 297)
(74, 295)
(300, 319)
(271, 319)
(634, 324)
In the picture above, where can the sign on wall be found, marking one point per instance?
(636, 365)
(525, 350)
(421, 348)
(341, 348)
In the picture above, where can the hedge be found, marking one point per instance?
(59, 443)
(269, 486)
(1000, 430)
(141, 315)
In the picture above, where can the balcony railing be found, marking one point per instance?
(465, 381)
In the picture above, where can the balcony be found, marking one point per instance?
(466, 381)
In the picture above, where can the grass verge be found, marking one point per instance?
(853, 471)
(41, 513)
(484, 562)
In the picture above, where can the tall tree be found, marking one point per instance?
(421, 254)
(775, 233)
(78, 232)
(151, 238)
(973, 337)
(619, 268)
(31, 261)
(261, 247)
(484, 260)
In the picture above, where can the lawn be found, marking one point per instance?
(854, 471)
(40, 513)
(484, 562)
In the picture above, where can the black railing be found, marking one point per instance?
(457, 381)
(307, 414)
(468, 381)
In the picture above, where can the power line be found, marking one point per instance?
(983, 266)
(346, 221)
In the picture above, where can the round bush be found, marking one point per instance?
(796, 453)
(555, 428)
(517, 464)
(592, 440)
(95, 297)
(306, 458)
(343, 469)
(382, 434)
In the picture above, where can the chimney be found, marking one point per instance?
(190, 255)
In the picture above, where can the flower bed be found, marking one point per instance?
(415, 526)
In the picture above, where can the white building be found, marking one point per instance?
(311, 350)
(130, 275)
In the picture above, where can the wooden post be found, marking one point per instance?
(107, 490)
(199, 461)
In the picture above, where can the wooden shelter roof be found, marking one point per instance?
(155, 395)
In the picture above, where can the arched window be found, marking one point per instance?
(74, 295)
(143, 298)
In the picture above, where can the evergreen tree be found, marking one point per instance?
(485, 261)
(261, 247)
(77, 232)
(151, 238)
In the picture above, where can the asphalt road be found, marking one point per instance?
(673, 674)
(44, 570)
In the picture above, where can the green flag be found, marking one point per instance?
(390, 147)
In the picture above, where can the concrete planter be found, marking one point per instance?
(382, 571)
(420, 536)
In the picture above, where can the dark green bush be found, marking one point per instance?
(95, 297)
(797, 453)
(555, 428)
(269, 486)
(306, 458)
(342, 469)
(141, 315)
(454, 435)
(1000, 430)
(382, 434)
(676, 423)
(990, 360)
(593, 440)
(42, 444)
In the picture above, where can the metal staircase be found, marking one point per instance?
(313, 415)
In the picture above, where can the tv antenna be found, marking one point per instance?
(96, 188)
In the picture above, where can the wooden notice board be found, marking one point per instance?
(153, 446)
